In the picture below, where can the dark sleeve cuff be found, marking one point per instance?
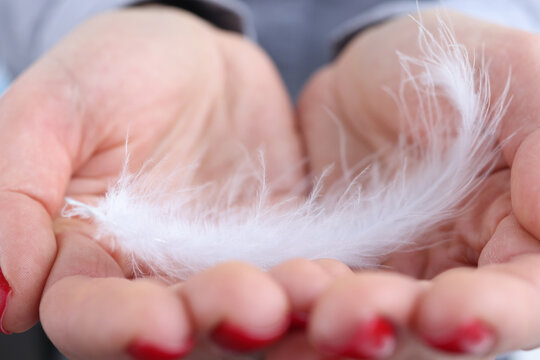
(376, 15)
(230, 15)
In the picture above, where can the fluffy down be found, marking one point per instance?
(438, 163)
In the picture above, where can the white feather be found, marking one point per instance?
(438, 163)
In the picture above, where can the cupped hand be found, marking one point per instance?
(482, 287)
(176, 86)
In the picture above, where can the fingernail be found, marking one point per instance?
(299, 320)
(141, 350)
(236, 339)
(375, 339)
(5, 291)
(474, 338)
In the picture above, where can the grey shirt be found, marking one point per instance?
(299, 35)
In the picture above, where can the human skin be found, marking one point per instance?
(486, 275)
(197, 88)
(177, 86)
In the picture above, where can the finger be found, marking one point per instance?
(38, 135)
(239, 306)
(90, 311)
(27, 248)
(358, 316)
(304, 281)
(334, 267)
(490, 310)
(111, 318)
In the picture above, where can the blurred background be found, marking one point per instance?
(3, 80)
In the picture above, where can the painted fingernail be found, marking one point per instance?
(375, 339)
(299, 320)
(141, 350)
(236, 339)
(5, 291)
(474, 338)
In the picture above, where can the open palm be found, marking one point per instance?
(460, 309)
(175, 85)
(183, 89)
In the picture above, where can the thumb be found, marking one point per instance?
(39, 135)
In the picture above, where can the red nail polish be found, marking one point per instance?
(474, 338)
(233, 338)
(5, 291)
(375, 339)
(140, 350)
(299, 320)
